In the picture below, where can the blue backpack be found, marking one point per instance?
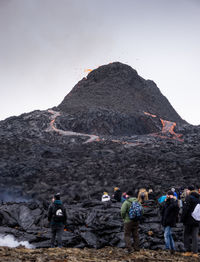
(135, 211)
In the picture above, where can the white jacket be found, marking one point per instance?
(105, 198)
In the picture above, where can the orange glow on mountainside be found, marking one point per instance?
(168, 128)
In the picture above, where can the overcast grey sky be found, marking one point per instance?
(45, 46)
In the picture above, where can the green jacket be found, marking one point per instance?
(125, 209)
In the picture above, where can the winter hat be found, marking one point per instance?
(57, 196)
(173, 189)
(105, 193)
(116, 188)
(170, 193)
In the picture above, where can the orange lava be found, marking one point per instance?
(168, 128)
(148, 114)
(88, 70)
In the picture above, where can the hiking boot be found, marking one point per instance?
(172, 251)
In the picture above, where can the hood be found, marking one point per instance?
(58, 202)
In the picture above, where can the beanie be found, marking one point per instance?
(57, 196)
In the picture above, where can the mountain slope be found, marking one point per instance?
(112, 101)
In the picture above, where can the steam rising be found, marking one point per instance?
(9, 241)
(12, 196)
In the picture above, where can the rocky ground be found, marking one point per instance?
(91, 224)
(88, 255)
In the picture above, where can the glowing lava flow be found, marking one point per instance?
(148, 114)
(68, 133)
(168, 128)
(88, 70)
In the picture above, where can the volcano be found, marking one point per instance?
(111, 125)
(112, 100)
(113, 129)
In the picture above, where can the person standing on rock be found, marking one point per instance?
(117, 194)
(169, 213)
(57, 218)
(131, 225)
(105, 197)
(191, 225)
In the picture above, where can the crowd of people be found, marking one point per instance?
(181, 205)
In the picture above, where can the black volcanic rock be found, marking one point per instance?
(112, 101)
(91, 224)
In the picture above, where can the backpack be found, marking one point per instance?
(135, 211)
(196, 213)
(58, 213)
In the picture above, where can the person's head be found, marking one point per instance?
(116, 188)
(142, 195)
(173, 189)
(57, 196)
(170, 194)
(105, 193)
(129, 193)
(189, 189)
(150, 190)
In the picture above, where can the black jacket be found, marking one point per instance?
(191, 201)
(169, 212)
(58, 204)
(117, 195)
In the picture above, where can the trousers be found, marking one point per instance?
(131, 229)
(169, 241)
(56, 231)
(191, 235)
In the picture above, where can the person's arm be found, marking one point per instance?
(185, 211)
(49, 213)
(124, 209)
(142, 208)
(162, 209)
